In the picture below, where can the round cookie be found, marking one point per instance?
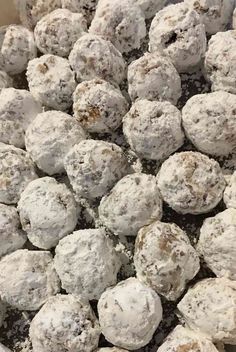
(5, 80)
(28, 279)
(48, 212)
(230, 192)
(191, 183)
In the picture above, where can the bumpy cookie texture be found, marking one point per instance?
(92, 56)
(210, 307)
(4, 348)
(129, 314)
(220, 61)
(99, 106)
(164, 259)
(31, 11)
(86, 7)
(17, 109)
(47, 212)
(134, 202)
(120, 21)
(153, 129)
(150, 7)
(230, 192)
(191, 183)
(217, 243)
(182, 339)
(179, 33)
(28, 279)
(51, 81)
(50, 137)
(57, 32)
(93, 253)
(2, 313)
(216, 15)
(209, 121)
(66, 324)
(94, 167)
(154, 77)
(17, 47)
(11, 235)
(5, 80)
(16, 171)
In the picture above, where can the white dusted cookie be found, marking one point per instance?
(178, 32)
(50, 137)
(28, 279)
(86, 7)
(153, 129)
(191, 183)
(154, 77)
(150, 7)
(5, 80)
(132, 203)
(48, 212)
(65, 323)
(18, 108)
(230, 192)
(164, 259)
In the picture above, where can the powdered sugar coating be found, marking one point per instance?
(230, 192)
(210, 307)
(153, 129)
(129, 313)
(150, 7)
(179, 33)
(17, 47)
(164, 259)
(154, 77)
(183, 339)
(2, 313)
(50, 137)
(99, 106)
(65, 323)
(220, 61)
(11, 235)
(93, 253)
(5, 80)
(120, 21)
(191, 183)
(94, 167)
(52, 89)
(18, 108)
(16, 171)
(86, 7)
(209, 121)
(28, 279)
(4, 348)
(47, 212)
(92, 56)
(57, 32)
(133, 202)
(216, 15)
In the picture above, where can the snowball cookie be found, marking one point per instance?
(99, 106)
(28, 279)
(220, 61)
(230, 192)
(129, 314)
(86, 7)
(92, 56)
(5, 80)
(217, 243)
(65, 323)
(215, 14)
(186, 340)
(16, 171)
(50, 137)
(94, 167)
(18, 108)
(31, 11)
(17, 47)
(191, 183)
(164, 259)
(154, 77)
(209, 121)
(134, 202)
(51, 81)
(57, 32)
(93, 253)
(150, 7)
(47, 212)
(2, 314)
(210, 307)
(153, 129)
(11, 235)
(179, 33)
(120, 21)
(4, 348)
